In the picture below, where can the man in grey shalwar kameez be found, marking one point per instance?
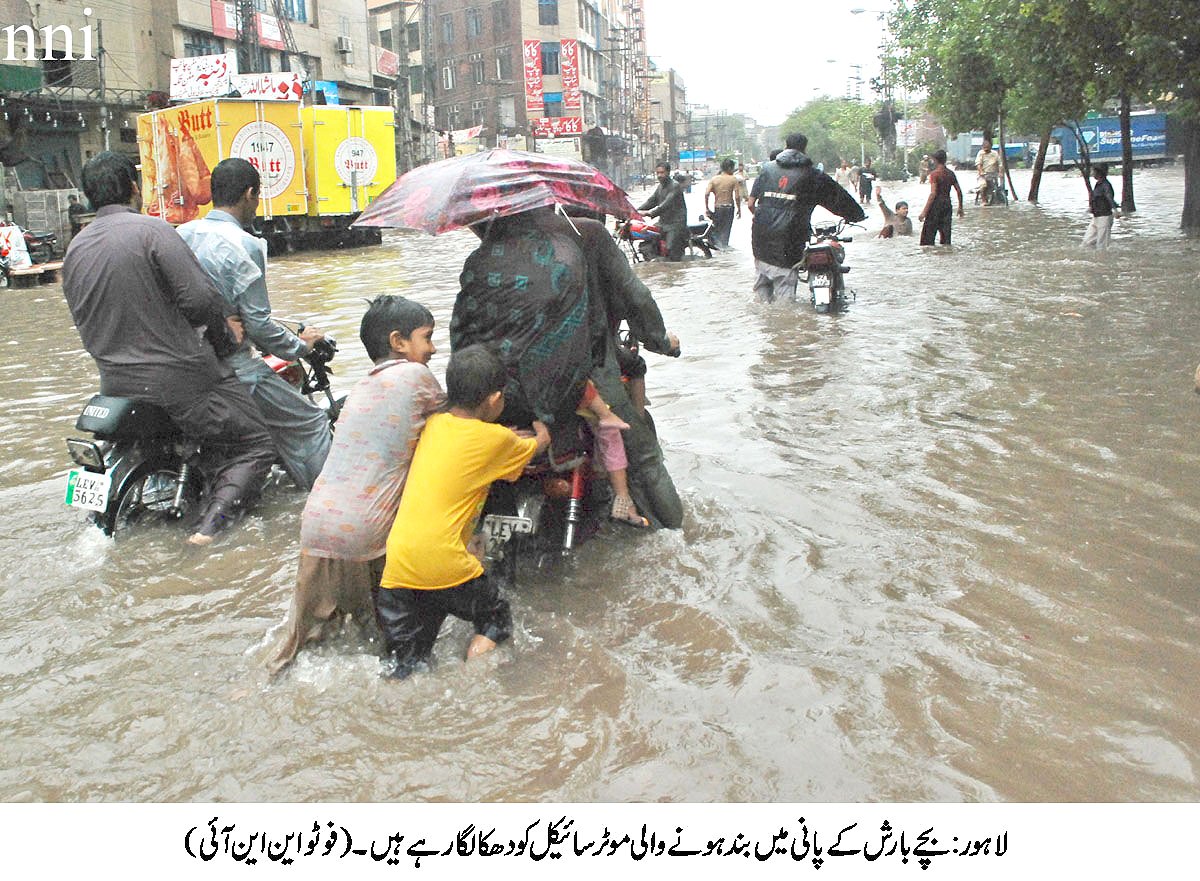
(237, 263)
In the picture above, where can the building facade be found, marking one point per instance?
(62, 100)
(565, 76)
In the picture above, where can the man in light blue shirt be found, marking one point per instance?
(237, 263)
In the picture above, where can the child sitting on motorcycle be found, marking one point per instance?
(430, 573)
(344, 528)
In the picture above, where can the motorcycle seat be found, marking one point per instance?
(112, 418)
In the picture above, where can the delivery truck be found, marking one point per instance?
(320, 165)
(1102, 135)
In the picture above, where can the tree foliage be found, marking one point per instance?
(836, 128)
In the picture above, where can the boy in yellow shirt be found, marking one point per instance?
(429, 572)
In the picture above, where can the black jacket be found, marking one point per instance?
(667, 204)
(786, 191)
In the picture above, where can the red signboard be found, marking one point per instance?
(387, 63)
(572, 99)
(556, 126)
(532, 54)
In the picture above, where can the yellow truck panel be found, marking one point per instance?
(351, 153)
(179, 146)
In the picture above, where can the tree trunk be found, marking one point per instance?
(1035, 183)
(1127, 203)
(1004, 172)
(1191, 178)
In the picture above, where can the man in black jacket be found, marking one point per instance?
(668, 205)
(785, 193)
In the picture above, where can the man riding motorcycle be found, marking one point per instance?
(782, 201)
(667, 203)
(138, 297)
(236, 261)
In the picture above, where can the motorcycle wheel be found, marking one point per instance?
(697, 245)
(648, 250)
(147, 497)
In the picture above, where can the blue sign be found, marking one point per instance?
(328, 87)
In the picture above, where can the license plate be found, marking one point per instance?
(821, 295)
(498, 529)
(86, 489)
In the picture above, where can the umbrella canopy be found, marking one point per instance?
(468, 189)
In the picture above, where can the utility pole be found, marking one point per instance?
(403, 98)
(248, 53)
(103, 95)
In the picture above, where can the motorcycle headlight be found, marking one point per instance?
(86, 454)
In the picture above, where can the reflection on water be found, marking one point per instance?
(942, 546)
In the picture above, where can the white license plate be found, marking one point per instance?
(821, 295)
(86, 489)
(498, 529)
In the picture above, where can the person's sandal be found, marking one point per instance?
(624, 511)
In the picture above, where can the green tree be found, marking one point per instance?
(836, 129)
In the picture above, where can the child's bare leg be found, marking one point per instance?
(604, 414)
(480, 645)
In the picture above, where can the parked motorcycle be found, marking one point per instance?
(647, 242)
(139, 467)
(823, 268)
(42, 245)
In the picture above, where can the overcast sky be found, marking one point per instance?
(752, 58)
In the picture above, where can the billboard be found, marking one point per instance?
(204, 76)
(556, 126)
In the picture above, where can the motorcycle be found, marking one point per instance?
(139, 467)
(647, 242)
(990, 192)
(42, 245)
(5, 264)
(823, 267)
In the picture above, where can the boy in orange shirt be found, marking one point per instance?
(429, 572)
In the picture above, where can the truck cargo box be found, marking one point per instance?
(179, 146)
(351, 157)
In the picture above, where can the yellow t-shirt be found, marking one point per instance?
(454, 465)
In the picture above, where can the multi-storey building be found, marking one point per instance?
(398, 37)
(668, 114)
(563, 75)
(62, 101)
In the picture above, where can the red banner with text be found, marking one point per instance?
(556, 126)
(572, 98)
(532, 54)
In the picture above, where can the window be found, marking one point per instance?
(476, 60)
(500, 20)
(547, 11)
(416, 79)
(554, 105)
(385, 39)
(476, 113)
(550, 58)
(296, 10)
(196, 43)
(447, 76)
(474, 22)
(413, 30)
(504, 66)
(448, 28)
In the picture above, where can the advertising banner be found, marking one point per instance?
(270, 86)
(565, 148)
(569, 65)
(205, 76)
(532, 55)
(556, 126)
(179, 147)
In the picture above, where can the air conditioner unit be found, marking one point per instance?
(344, 45)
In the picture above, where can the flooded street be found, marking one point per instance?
(943, 547)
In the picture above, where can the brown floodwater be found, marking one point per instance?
(943, 547)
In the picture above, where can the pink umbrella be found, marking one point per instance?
(465, 190)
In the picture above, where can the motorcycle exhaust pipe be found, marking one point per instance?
(185, 472)
(574, 508)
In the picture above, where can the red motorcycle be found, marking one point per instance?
(646, 240)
